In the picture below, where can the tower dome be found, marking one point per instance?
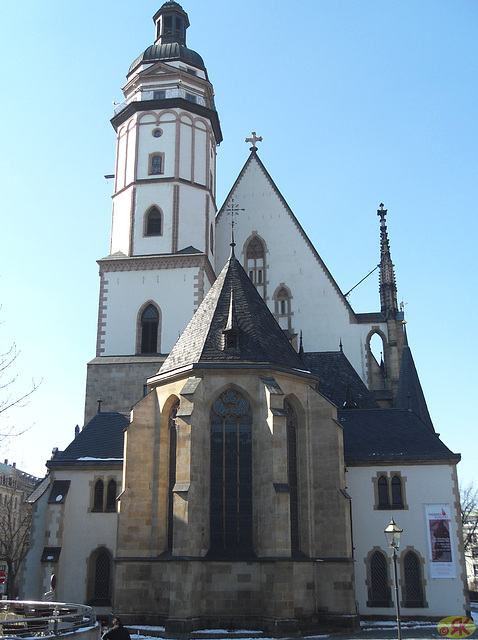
(171, 22)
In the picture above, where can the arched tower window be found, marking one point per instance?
(98, 496)
(256, 264)
(111, 496)
(172, 470)
(379, 590)
(149, 329)
(292, 472)
(413, 596)
(153, 222)
(231, 473)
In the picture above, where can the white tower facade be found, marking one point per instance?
(161, 257)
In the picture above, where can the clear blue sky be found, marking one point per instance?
(358, 103)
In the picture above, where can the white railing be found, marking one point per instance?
(172, 92)
(20, 618)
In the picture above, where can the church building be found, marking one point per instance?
(239, 476)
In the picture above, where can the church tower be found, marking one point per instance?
(161, 257)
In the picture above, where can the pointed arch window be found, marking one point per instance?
(379, 590)
(413, 585)
(382, 486)
(172, 469)
(397, 500)
(255, 266)
(291, 421)
(111, 496)
(231, 474)
(283, 307)
(149, 329)
(98, 496)
(99, 577)
(153, 222)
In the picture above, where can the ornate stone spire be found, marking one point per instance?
(388, 287)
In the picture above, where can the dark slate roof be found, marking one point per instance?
(261, 340)
(409, 392)
(376, 435)
(339, 382)
(100, 440)
(169, 51)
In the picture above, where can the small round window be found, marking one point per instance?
(157, 133)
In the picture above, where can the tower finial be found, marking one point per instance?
(232, 210)
(253, 139)
(388, 287)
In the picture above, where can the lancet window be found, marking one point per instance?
(231, 473)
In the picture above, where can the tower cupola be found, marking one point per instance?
(171, 22)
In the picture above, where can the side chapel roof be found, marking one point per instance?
(395, 435)
(100, 441)
(232, 304)
(338, 380)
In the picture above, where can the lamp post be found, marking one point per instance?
(392, 535)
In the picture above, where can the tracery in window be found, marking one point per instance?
(255, 264)
(231, 473)
(283, 307)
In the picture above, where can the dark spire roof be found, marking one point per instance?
(388, 287)
(409, 392)
(232, 303)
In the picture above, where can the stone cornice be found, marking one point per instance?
(169, 103)
(157, 262)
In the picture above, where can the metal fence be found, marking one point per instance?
(21, 619)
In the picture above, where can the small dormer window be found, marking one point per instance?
(232, 340)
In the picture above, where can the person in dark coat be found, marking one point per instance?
(117, 631)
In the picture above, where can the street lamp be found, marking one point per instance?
(392, 535)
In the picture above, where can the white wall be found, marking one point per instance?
(423, 485)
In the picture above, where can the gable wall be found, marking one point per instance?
(319, 311)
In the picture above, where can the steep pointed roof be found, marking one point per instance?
(252, 159)
(409, 392)
(232, 302)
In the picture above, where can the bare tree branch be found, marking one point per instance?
(8, 399)
(469, 516)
